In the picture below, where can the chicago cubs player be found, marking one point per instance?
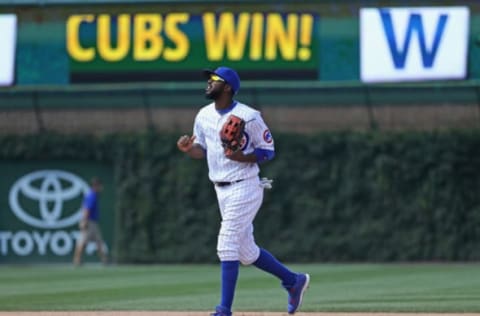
(238, 187)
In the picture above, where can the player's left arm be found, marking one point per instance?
(241, 157)
(262, 141)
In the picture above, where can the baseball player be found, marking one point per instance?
(239, 190)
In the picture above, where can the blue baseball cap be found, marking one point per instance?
(228, 74)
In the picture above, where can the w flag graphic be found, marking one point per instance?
(411, 44)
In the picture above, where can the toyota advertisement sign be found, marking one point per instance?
(50, 196)
(41, 209)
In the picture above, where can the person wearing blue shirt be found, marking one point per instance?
(89, 223)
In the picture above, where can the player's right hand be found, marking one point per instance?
(185, 143)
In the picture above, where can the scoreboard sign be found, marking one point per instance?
(176, 46)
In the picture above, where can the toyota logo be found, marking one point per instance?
(50, 190)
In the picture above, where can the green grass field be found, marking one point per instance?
(334, 287)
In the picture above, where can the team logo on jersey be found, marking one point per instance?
(244, 142)
(267, 136)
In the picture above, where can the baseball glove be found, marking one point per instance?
(231, 134)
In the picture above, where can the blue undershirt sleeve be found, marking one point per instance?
(263, 154)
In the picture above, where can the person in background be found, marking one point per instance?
(90, 230)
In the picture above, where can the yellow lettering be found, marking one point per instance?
(256, 36)
(74, 48)
(267, 36)
(147, 42)
(306, 21)
(279, 37)
(105, 49)
(182, 44)
(225, 35)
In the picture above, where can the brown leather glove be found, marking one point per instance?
(231, 134)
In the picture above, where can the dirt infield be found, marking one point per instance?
(164, 313)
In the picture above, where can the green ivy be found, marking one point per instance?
(337, 196)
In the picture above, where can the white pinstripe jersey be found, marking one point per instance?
(208, 124)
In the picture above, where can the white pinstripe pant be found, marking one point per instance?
(239, 203)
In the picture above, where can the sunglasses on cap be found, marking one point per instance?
(214, 77)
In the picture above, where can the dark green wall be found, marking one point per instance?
(336, 196)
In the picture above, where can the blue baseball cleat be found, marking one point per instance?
(296, 291)
(221, 311)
